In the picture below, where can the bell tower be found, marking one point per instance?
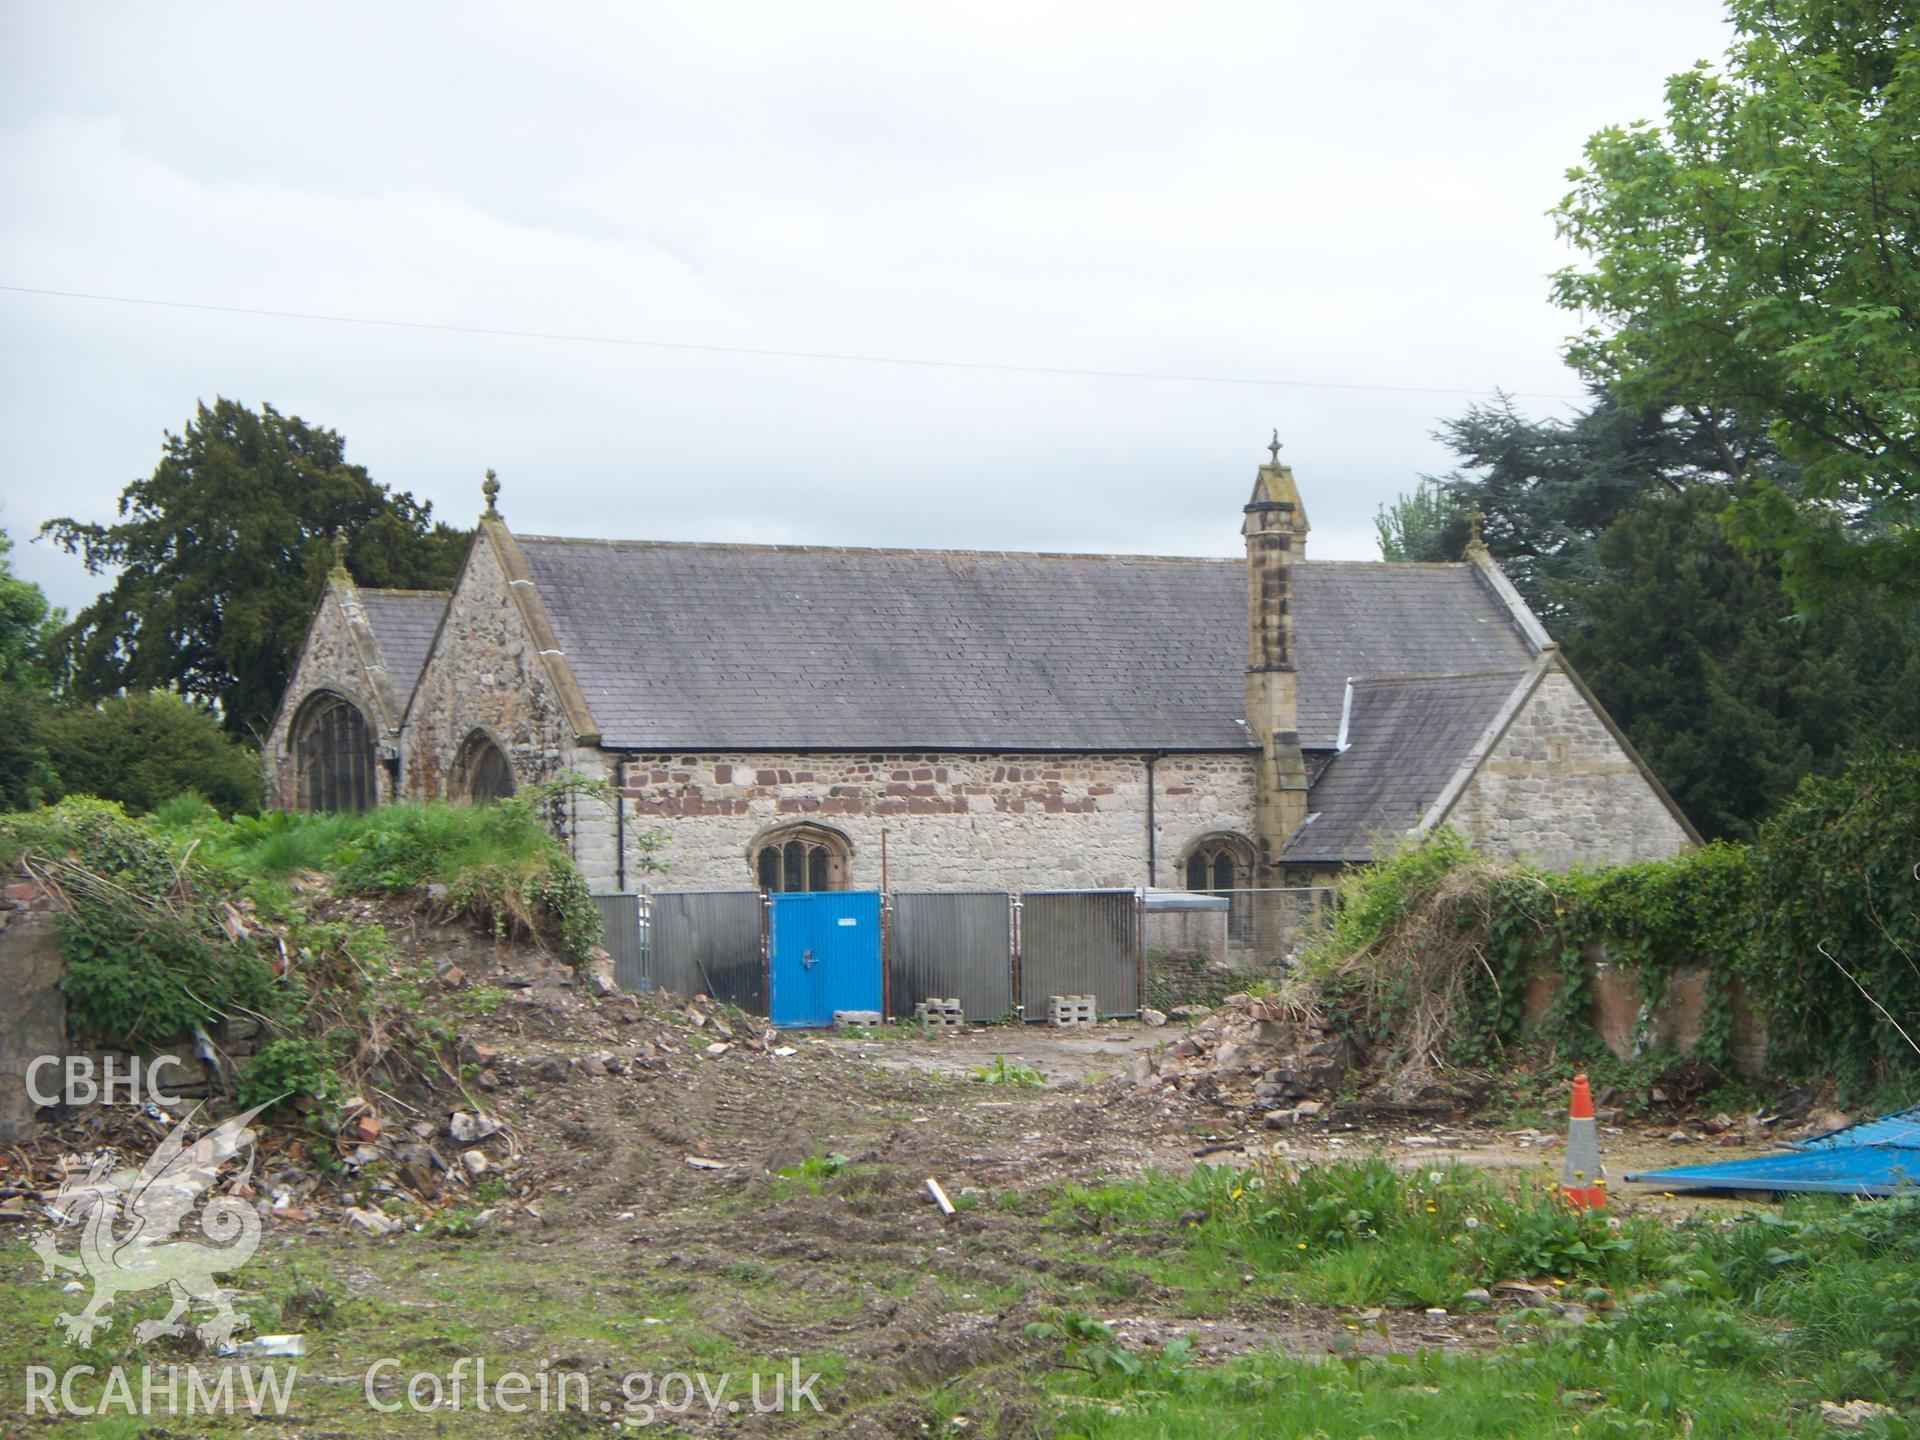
(1275, 528)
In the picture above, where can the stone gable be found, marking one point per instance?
(331, 660)
(1558, 790)
(484, 673)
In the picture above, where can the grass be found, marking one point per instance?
(425, 1303)
(1730, 1328)
(1706, 1328)
(1433, 1395)
(1361, 1233)
(497, 864)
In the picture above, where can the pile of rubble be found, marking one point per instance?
(1271, 1057)
(386, 1161)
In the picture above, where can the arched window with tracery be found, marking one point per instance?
(333, 756)
(801, 857)
(482, 773)
(1222, 864)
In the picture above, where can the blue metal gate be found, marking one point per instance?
(824, 955)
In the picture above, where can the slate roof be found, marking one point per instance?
(685, 646)
(404, 622)
(1374, 618)
(1406, 738)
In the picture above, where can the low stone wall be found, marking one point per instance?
(35, 1018)
(34, 1024)
(1189, 977)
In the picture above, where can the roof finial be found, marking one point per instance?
(490, 487)
(340, 555)
(1273, 449)
(1475, 521)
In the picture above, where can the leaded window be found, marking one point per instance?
(801, 861)
(333, 757)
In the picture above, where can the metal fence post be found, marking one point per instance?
(1014, 977)
(1140, 945)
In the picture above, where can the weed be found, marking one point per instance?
(1013, 1073)
(1089, 1345)
(812, 1173)
(1368, 1233)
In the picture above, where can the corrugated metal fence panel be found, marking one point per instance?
(709, 940)
(952, 944)
(620, 922)
(1080, 942)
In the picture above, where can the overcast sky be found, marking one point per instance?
(1348, 195)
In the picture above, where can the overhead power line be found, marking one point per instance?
(836, 356)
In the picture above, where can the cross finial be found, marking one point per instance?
(340, 552)
(490, 487)
(1475, 520)
(1273, 449)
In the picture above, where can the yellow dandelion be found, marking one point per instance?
(1302, 1245)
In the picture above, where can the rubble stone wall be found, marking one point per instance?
(485, 674)
(953, 821)
(35, 1020)
(1558, 791)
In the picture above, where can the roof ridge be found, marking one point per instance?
(1310, 563)
(615, 543)
(1499, 674)
(397, 590)
(739, 545)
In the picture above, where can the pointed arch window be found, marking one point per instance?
(1219, 863)
(333, 756)
(801, 858)
(482, 774)
(1222, 864)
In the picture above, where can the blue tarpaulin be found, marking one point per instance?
(1876, 1157)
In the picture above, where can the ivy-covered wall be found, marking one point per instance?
(1796, 957)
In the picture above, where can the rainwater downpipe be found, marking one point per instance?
(1153, 858)
(620, 823)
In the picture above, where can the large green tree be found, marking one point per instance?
(24, 620)
(1425, 524)
(220, 555)
(26, 772)
(1734, 699)
(1548, 489)
(1759, 254)
(145, 748)
(1610, 524)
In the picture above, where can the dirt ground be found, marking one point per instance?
(635, 1219)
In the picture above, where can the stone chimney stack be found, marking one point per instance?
(1276, 533)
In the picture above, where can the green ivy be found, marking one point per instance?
(1815, 928)
(1837, 875)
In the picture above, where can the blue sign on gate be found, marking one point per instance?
(824, 955)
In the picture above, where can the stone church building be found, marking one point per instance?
(787, 716)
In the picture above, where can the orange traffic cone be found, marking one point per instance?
(1585, 1181)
